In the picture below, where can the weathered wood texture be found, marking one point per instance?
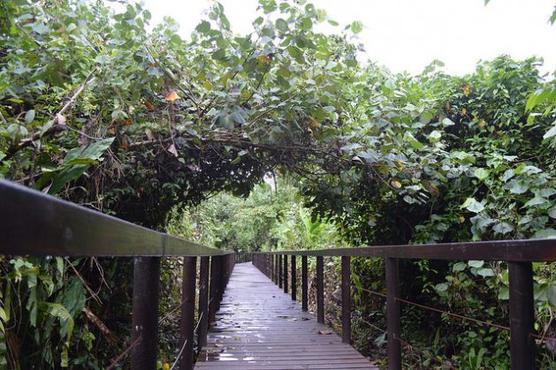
(260, 327)
(36, 224)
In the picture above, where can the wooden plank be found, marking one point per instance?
(33, 223)
(260, 327)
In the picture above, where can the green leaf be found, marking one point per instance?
(356, 27)
(518, 187)
(296, 53)
(472, 205)
(435, 136)
(547, 233)
(463, 157)
(460, 266)
(306, 24)
(415, 144)
(77, 161)
(550, 133)
(481, 173)
(502, 228)
(442, 287)
(485, 272)
(447, 122)
(539, 97)
(16, 131)
(3, 315)
(552, 212)
(268, 5)
(551, 293)
(66, 175)
(203, 27)
(535, 202)
(476, 263)
(62, 314)
(30, 116)
(508, 174)
(281, 25)
(97, 149)
(504, 293)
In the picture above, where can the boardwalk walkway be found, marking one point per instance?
(260, 327)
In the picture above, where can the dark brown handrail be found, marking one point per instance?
(519, 254)
(35, 224)
(530, 250)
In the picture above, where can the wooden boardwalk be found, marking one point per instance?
(260, 327)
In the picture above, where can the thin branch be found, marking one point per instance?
(115, 361)
(55, 121)
(91, 292)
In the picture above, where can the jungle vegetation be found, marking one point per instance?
(178, 133)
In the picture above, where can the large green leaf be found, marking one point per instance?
(472, 205)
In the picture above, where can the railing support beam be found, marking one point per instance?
(346, 300)
(188, 312)
(275, 269)
(203, 301)
(280, 272)
(522, 343)
(285, 269)
(393, 313)
(213, 288)
(146, 291)
(294, 279)
(304, 287)
(320, 289)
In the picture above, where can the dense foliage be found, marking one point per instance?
(266, 220)
(97, 109)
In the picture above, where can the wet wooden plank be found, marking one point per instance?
(260, 327)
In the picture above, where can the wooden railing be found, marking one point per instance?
(35, 224)
(519, 255)
(242, 257)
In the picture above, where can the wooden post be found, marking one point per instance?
(280, 274)
(203, 301)
(221, 278)
(188, 312)
(522, 315)
(285, 268)
(146, 291)
(393, 313)
(294, 279)
(346, 300)
(274, 279)
(320, 289)
(213, 289)
(304, 288)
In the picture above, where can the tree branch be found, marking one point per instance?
(57, 122)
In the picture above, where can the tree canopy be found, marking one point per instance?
(100, 108)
